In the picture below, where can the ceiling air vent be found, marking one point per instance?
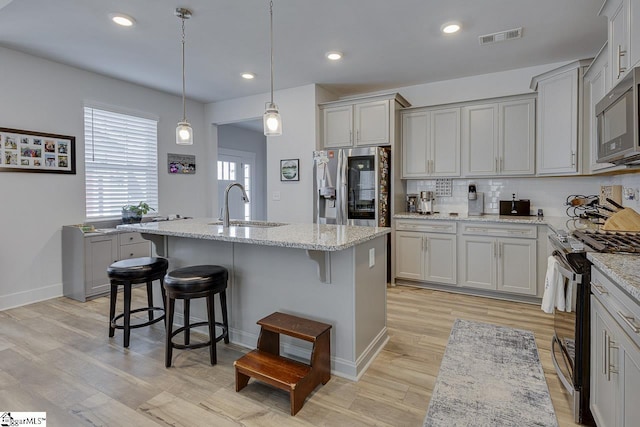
(501, 36)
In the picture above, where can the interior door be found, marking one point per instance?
(234, 166)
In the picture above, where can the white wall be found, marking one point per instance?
(45, 96)
(236, 138)
(298, 110)
(504, 83)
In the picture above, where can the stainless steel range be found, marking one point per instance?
(571, 342)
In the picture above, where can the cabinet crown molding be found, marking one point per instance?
(570, 66)
(364, 98)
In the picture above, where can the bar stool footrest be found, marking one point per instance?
(139, 325)
(198, 345)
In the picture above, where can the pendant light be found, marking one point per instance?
(271, 119)
(184, 132)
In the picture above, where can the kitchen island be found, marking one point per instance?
(328, 273)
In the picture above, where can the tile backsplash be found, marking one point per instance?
(549, 194)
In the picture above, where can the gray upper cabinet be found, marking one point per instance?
(498, 138)
(366, 121)
(559, 122)
(624, 36)
(431, 143)
(480, 136)
(338, 126)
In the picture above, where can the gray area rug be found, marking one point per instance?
(490, 376)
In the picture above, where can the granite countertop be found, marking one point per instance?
(623, 269)
(556, 223)
(319, 237)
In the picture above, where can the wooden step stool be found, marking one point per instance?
(266, 364)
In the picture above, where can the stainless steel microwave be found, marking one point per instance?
(617, 119)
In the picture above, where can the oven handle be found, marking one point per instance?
(566, 270)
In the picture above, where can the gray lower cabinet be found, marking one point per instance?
(132, 245)
(495, 257)
(499, 257)
(426, 251)
(86, 257)
(615, 354)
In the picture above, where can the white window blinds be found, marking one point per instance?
(121, 162)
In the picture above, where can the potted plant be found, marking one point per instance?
(133, 213)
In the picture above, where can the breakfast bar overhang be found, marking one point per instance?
(329, 273)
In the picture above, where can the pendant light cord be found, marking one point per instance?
(184, 106)
(271, 41)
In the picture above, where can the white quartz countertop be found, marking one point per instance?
(624, 269)
(318, 237)
(556, 223)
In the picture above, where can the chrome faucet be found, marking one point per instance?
(225, 208)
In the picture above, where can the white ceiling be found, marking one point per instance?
(386, 43)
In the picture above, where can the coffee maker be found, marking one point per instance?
(475, 200)
(425, 202)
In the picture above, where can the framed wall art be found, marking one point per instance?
(28, 151)
(181, 164)
(289, 170)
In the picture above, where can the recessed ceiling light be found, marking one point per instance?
(451, 27)
(334, 55)
(122, 19)
(248, 76)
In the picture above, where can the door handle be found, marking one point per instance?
(611, 368)
(425, 244)
(605, 363)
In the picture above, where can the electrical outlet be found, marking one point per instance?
(275, 196)
(372, 257)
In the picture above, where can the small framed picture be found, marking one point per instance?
(289, 170)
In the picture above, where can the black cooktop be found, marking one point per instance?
(609, 241)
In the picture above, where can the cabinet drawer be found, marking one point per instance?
(129, 238)
(623, 309)
(135, 250)
(499, 230)
(427, 225)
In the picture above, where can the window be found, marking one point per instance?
(121, 162)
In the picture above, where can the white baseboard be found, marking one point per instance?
(19, 299)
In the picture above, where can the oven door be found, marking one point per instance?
(563, 344)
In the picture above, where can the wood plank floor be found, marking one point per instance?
(55, 356)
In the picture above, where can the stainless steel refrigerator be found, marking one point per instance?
(351, 186)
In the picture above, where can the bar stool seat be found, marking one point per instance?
(131, 272)
(187, 283)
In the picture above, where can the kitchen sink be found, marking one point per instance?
(250, 224)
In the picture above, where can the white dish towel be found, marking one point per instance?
(554, 290)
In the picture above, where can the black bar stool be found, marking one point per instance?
(187, 283)
(131, 272)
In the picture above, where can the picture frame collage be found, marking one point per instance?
(28, 151)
